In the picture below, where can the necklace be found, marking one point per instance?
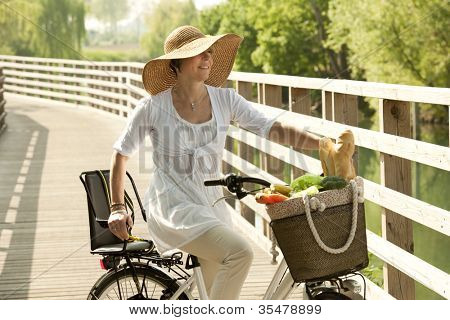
(193, 104)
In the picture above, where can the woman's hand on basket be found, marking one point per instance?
(119, 222)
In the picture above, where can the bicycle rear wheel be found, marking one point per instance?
(157, 285)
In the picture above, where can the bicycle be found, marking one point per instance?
(135, 270)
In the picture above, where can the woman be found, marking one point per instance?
(187, 116)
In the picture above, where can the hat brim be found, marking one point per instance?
(157, 75)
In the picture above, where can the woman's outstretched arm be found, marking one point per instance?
(284, 132)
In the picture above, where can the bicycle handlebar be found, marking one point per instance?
(212, 183)
(235, 182)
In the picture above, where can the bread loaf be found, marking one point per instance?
(336, 159)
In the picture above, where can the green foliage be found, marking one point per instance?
(374, 271)
(135, 55)
(165, 17)
(109, 11)
(63, 22)
(282, 37)
(287, 38)
(13, 21)
(44, 28)
(394, 41)
(234, 16)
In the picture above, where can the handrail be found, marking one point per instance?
(418, 151)
(353, 87)
(73, 62)
(360, 88)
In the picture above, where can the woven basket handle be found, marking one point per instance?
(352, 230)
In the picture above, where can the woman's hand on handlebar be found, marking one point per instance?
(119, 222)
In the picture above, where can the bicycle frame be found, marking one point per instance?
(279, 288)
(189, 285)
(196, 279)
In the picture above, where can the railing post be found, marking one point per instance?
(244, 150)
(299, 102)
(396, 174)
(327, 108)
(90, 85)
(271, 97)
(226, 167)
(127, 91)
(341, 108)
(111, 70)
(345, 110)
(64, 65)
(2, 103)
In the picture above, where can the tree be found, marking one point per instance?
(63, 22)
(45, 28)
(284, 37)
(394, 41)
(16, 31)
(287, 39)
(110, 12)
(165, 17)
(233, 16)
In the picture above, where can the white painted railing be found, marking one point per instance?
(117, 87)
(2, 103)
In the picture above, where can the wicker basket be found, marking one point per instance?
(333, 241)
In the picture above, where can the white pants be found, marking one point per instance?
(225, 258)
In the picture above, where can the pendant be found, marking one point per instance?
(193, 106)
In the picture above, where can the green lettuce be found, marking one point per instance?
(305, 181)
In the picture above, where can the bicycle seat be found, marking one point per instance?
(103, 241)
(118, 247)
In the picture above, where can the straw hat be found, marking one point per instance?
(186, 42)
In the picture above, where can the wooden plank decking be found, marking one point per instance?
(44, 234)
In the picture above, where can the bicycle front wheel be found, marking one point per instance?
(120, 285)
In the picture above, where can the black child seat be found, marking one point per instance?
(103, 241)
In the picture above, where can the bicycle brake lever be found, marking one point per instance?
(224, 197)
(242, 194)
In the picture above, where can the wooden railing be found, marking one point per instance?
(117, 87)
(2, 103)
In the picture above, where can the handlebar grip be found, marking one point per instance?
(211, 183)
(256, 180)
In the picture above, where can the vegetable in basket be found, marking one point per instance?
(305, 181)
(266, 198)
(309, 191)
(333, 182)
(280, 188)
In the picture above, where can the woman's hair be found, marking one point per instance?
(175, 65)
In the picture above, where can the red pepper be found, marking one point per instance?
(269, 198)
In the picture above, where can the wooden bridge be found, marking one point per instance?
(62, 116)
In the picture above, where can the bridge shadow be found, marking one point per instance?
(22, 153)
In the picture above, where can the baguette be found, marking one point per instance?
(336, 159)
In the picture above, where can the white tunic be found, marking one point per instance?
(178, 205)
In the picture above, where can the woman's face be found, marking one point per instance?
(198, 67)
